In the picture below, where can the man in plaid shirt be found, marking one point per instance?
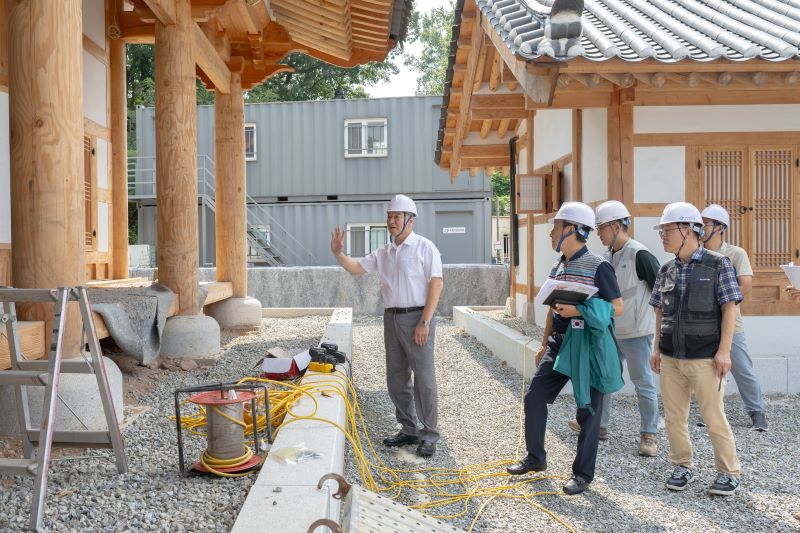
(695, 299)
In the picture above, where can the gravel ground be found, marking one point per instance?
(478, 414)
(89, 495)
(479, 409)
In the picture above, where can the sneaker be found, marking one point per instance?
(647, 445)
(574, 426)
(724, 485)
(759, 422)
(681, 476)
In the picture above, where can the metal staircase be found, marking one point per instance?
(270, 243)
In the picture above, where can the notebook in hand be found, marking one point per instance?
(564, 292)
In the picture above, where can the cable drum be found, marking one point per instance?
(225, 438)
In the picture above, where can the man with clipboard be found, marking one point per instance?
(571, 227)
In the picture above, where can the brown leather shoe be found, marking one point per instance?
(647, 445)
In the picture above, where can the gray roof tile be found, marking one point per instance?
(666, 30)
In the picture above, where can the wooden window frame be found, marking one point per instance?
(90, 180)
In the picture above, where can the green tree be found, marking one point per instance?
(501, 189)
(433, 31)
(314, 79)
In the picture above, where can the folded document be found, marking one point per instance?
(793, 273)
(564, 292)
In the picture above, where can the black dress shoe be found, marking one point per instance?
(426, 448)
(525, 466)
(401, 439)
(575, 485)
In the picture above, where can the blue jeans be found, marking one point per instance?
(745, 375)
(637, 353)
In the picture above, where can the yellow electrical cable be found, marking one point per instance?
(442, 486)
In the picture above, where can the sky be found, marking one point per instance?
(404, 82)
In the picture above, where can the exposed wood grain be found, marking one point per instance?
(32, 340)
(119, 162)
(230, 185)
(176, 159)
(46, 132)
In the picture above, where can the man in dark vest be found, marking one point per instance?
(695, 298)
(571, 227)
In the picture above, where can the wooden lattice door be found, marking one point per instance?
(758, 185)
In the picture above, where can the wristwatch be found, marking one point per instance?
(425, 322)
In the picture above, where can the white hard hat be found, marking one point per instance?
(680, 213)
(402, 204)
(718, 213)
(576, 213)
(610, 211)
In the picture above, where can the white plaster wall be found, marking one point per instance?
(543, 260)
(102, 163)
(717, 118)
(594, 167)
(5, 173)
(764, 336)
(102, 226)
(659, 174)
(521, 270)
(94, 89)
(94, 21)
(645, 234)
(552, 131)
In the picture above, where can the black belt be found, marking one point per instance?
(402, 310)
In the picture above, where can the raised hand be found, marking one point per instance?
(337, 241)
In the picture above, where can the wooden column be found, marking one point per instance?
(46, 142)
(176, 158)
(614, 149)
(119, 162)
(231, 219)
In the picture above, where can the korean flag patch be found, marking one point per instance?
(576, 323)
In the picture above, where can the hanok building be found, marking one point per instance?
(660, 101)
(63, 146)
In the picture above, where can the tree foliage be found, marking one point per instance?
(314, 79)
(433, 31)
(501, 189)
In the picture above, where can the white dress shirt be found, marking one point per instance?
(405, 270)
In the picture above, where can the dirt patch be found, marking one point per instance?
(514, 322)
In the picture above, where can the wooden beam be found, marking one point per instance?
(119, 160)
(577, 154)
(502, 128)
(494, 74)
(164, 10)
(491, 151)
(133, 30)
(463, 123)
(620, 66)
(486, 127)
(656, 79)
(621, 80)
(691, 79)
(592, 81)
(614, 152)
(498, 162)
(498, 101)
(209, 61)
(723, 79)
(481, 66)
(497, 114)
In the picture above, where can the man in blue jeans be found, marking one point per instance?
(636, 270)
(716, 222)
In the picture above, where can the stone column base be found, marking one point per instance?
(236, 313)
(191, 337)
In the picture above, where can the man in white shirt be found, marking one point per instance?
(410, 270)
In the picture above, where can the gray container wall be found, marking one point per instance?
(312, 224)
(300, 149)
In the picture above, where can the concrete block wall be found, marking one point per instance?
(333, 287)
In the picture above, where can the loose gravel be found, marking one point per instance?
(479, 401)
(479, 413)
(88, 495)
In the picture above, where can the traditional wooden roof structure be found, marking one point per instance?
(658, 51)
(255, 35)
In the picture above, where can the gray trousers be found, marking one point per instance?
(415, 398)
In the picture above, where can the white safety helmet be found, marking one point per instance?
(402, 204)
(576, 213)
(613, 210)
(682, 213)
(718, 213)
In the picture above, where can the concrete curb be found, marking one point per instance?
(285, 498)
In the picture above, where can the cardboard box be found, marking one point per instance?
(281, 364)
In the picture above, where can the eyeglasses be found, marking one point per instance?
(663, 232)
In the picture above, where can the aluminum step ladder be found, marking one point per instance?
(37, 443)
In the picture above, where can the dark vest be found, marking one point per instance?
(691, 323)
